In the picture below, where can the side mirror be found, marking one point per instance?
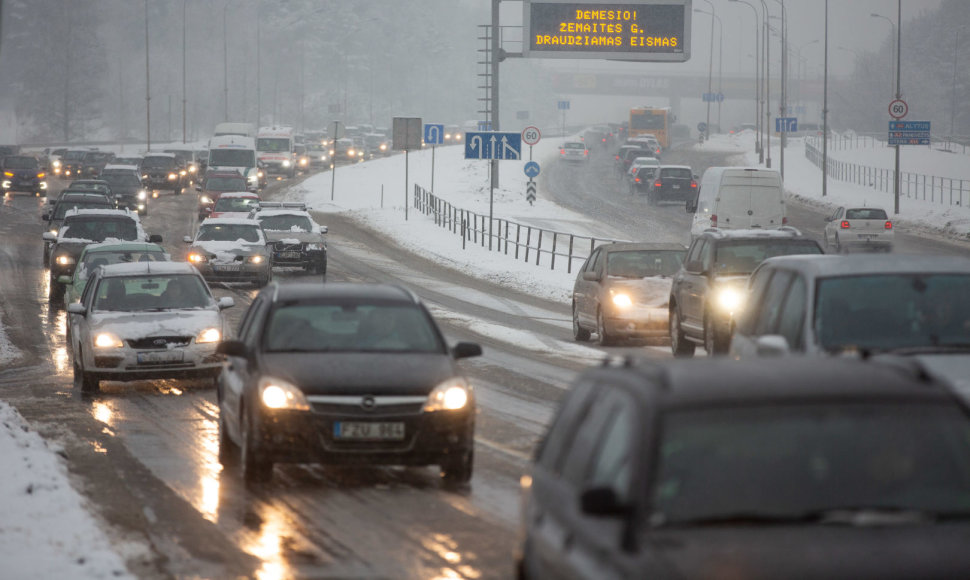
(602, 501)
(76, 308)
(232, 348)
(695, 266)
(226, 302)
(48, 236)
(772, 345)
(155, 238)
(324, 229)
(466, 350)
(187, 239)
(592, 276)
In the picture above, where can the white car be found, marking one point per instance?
(574, 151)
(859, 228)
(145, 320)
(231, 250)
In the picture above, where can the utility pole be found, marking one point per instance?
(148, 89)
(183, 71)
(825, 108)
(899, 94)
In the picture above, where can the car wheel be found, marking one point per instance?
(82, 380)
(679, 344)
(228, 450)
(57, 289)
(714, 343)
(604, 337)
(838, 245)
(458, 470)
(579, 333)
(255, 469)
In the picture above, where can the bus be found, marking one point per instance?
(651, 121)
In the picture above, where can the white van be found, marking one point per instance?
(235, 153)
(274, 145)
(241, 129)
(738, 198)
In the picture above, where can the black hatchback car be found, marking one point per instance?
(782, 469)
(23, 173)
(348, 374)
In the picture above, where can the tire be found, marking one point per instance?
(604, 338)
(457, 471)
(82, 380)
(262, 282)
(57, 289)
(579, 333)
(715, 344)
(679, 345)
(255, 469)
(228, 450)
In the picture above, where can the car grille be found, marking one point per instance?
(289, 247)
(374, 407)
(160, 342)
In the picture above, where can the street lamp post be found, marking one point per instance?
(148, 89)
(783, 104)
(892, 30)
(710, 72)
(757, 78)
(183, 71)
(825, 106)
(225, 62)
(766, 106)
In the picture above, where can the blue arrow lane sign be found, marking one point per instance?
(531, 169)
(434, 134)
(493, 145)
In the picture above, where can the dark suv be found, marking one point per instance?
(23, 173)
(788, 468)
(163, 171)
(709, 290)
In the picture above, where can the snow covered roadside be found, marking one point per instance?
(45, 529)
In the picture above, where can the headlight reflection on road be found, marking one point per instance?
(208, 500)
(274, 530)
(447, 549)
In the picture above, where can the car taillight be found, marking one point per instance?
(585, 151)
(889, 225)
(713, 220)
(562, 151)
(784, 221)
(844, 225)
(636, 179)
(694, 185)
(658, 183)
(617, 157)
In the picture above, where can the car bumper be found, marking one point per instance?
(863, 243)
(298, 259)
(234, 272)
(310, 436)
(639, 322)
(127, 364)
(669, 194)
(29, 186)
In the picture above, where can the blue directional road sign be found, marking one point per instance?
(786, 124)
(484, 125)
(909, 132)
(493, 145)
(563, 105)
(702, 127)
(434, 134)
(713, 97)
(531, 169)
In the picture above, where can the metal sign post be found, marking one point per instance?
(433, 135)
(406, 135)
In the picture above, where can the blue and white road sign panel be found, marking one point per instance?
(713, 97)
(702, 127)
(434, 134)
(909, 132)
(786, 124)
(484, 125)
(493, 145)
(563, 105)
(531, 169)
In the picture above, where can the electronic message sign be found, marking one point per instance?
(645, 30)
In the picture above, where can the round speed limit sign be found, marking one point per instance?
(898, 109)
(531, 135)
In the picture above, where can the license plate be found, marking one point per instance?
(289, 255)
(226, 268)
(162, 356)
(868, 236)
(374, 431)
(676, 187)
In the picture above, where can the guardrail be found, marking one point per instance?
(531, 244)
(932, 188)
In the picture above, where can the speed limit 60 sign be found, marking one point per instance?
(531, 135)
(898, 109)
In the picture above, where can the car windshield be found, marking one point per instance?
(20, 163)
(235, 204)
(89, 186)
(893, 311)
(93, 260)
(232, 158)
(61, 209)
(643, 263)
(100, 229)
(74, 155)
(124, 179)
(743, 256)
(185, 156)
(158, 163)
(675, 172)
(286, 223)
(866, 213)
(225, 183)
(579, 146)
(352, 327)
(228, 233)
(152, 292)
(805, 460)
(272, 144)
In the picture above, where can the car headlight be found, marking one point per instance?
(43, 185)
(729, 300)
(192, 168)
(286, 163)
(351, 152)
(145, 176)
(197, 258)
(451, 395)
(6, 184)
(107, 340)
(205, 199)
(260, 173)
(316, 247)
(53, 231)
(209, 335)
(57, 165)
(257, 259)
(279, 394)
(383, 147)
(64, 260)
(303, 161)
(621, 300)
(142, 194)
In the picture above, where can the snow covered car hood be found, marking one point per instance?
(228, 251)
(134, 325)
(652, 291)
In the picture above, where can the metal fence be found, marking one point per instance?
(932, 188)
(531, 244)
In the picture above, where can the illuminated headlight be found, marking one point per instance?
(622, 300)
(183, 173)
(303, 161)
(209, 335)
(54, 231)
(172, 176)
(205, 199)
(43, 185)
(64, 260)
(145, 176)
(193, 169)
(383, 146)
(197, 258)
(316, 247)
(729, 299)
(451, 395)
(155, 194)
(6, 184)
(57, 165)
(141, 207)
(255, 259)
(351, 152)
(260, 173)
(286, 163)
(323, 158)
(142, 194)
(107, 340)
(279, 394)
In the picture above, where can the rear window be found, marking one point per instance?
(20, 163)
(574, 146)
(865, 213)
(743, 256)
(644, 263)
(100, 229)
(675, 172)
